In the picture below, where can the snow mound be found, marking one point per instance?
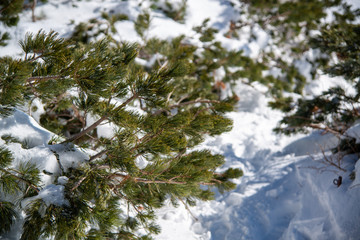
(24, 128)
(52, 195)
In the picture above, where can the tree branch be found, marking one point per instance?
(33, 10)
(143, 180)
(144, 139)
(325, 128)
(6, 7)
(331, 161)
(186, 103)
(148, 181)
(21, 179)
(78, 183)
(99, 154)
(98, 122)
(188, 209)
(43, 78)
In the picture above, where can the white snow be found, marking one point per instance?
(25, 128)
(354, 132)
(287, 190)
(51, 194)
(63, 180)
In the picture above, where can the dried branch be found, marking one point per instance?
(99, 154)
(78, 183)
(43, 78)
(33, 10)
(325, 128)
(58, 160)
(184, 104)
(331, 161)
(188, 209)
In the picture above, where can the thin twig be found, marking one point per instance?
(33, 10)
(99, 154)
(184, 104)
(188, 209)
(331, 161)
(78, 183)
(58, 160)
(43, 78)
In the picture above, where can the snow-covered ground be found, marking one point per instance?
(287, 190)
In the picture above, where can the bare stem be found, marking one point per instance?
(43, 78)
(99, 154)
(33, 10)
(78, 183)
(186, 103)
(188, 209)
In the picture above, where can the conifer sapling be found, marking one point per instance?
(157, 118)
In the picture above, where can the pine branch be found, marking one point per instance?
(148, 181)
(21, 179)
(99, 154)
(186, 103)
(179, 155)
(143, 140)
(142, 180)
(34, 57)
(146, 139)
(325, 128)
(202, 110)
(98, 122)
(78, 183)
(43, 78)
(6, 7)
(127, 199)
(193, 102)
(58, 160)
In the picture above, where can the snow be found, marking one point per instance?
(25, 128)
(51, 194)
(162, 25)
(62, 180)
(287, 190)
(126, 28)
(354, 132)
(219, 13)
(356, 182)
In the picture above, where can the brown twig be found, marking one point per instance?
(325, 128)
(43, 78)
(78, 183)
(6, 7)
(184, 104)
(188, 209)
(99, 154)
(142, 180)
(33, 10)
(331, 161)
